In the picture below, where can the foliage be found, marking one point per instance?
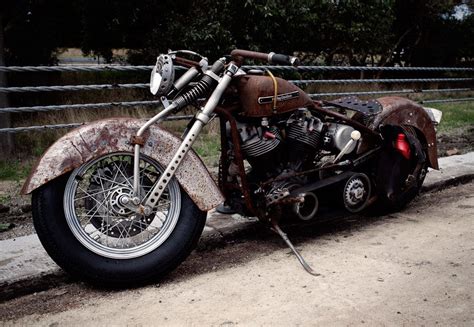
(35, 31)
(411, 32)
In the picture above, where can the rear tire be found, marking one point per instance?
(65, 249)
(392, 172)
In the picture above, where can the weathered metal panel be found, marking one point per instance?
(251, 89)
(114, 135)
(401, 111)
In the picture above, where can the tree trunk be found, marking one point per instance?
(6, 139)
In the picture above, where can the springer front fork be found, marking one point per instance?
(201, 119)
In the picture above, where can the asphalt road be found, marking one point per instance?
(415, 267)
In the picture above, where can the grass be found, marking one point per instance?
(455, 115)
(15, 169)
(208, 143)
(5, 199)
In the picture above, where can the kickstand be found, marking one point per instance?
(295, 251)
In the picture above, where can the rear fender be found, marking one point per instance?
(113, 135)
(399, 111)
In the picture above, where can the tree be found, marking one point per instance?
(36, 30)
(428, 33)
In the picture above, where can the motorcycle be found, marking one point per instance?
(123, 201)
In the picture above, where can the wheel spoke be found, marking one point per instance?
(121, 173)
(107, 226)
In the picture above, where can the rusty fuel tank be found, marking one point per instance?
(257, 96)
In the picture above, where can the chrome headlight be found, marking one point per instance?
(162, 75)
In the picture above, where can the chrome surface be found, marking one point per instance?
(101, 216)
(155, 194)
(162, 75)
(307, 209)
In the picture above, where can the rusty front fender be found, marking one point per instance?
(403, 112)
(113, 135)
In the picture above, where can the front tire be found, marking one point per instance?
(111, 268)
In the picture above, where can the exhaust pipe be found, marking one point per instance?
(308, 207)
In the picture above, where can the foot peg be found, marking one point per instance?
(295, 251)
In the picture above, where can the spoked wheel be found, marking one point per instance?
(87, 224)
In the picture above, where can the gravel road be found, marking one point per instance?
(414, 267)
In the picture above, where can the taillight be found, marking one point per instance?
(402, 146)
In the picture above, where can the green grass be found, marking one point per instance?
(208, 145)
(5, 199)
(455, 115)
(14, 169)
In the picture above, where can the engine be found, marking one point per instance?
(303, 136)
(282, 145)
(279, 147)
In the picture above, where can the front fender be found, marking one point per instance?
(113, 135)
(403, 112)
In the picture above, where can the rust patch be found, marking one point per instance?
(140, 140)
(251, 88)
(114, 135)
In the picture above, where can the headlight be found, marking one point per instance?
(162, 75)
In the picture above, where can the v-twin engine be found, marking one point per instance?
(290, 144)
(269, 148)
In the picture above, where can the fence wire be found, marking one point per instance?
(107, 105)
(404, 91)
(102, 68)
(79, 106)
(71, 125)
(375, 80)
(447, 100)
(74, 125)
(92, 87)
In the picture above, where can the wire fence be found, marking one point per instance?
(461, 81)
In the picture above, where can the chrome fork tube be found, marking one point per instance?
(136, 158)
(202, 118)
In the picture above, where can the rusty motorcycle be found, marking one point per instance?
(121, 201)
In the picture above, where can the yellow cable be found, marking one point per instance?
(275, 86)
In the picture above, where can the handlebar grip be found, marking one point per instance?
(281, 59)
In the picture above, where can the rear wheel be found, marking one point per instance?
(398, 179)
(85, 224)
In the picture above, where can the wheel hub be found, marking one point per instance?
(119, 201)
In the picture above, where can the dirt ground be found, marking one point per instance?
(15, 210)
(457, 141)
(414, 267)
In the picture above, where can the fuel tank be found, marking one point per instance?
(257, 96)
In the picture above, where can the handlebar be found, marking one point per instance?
(238, 56)
(281, 59)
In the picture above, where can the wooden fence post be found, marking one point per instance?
(6, 139)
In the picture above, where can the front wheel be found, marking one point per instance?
(87, 228)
